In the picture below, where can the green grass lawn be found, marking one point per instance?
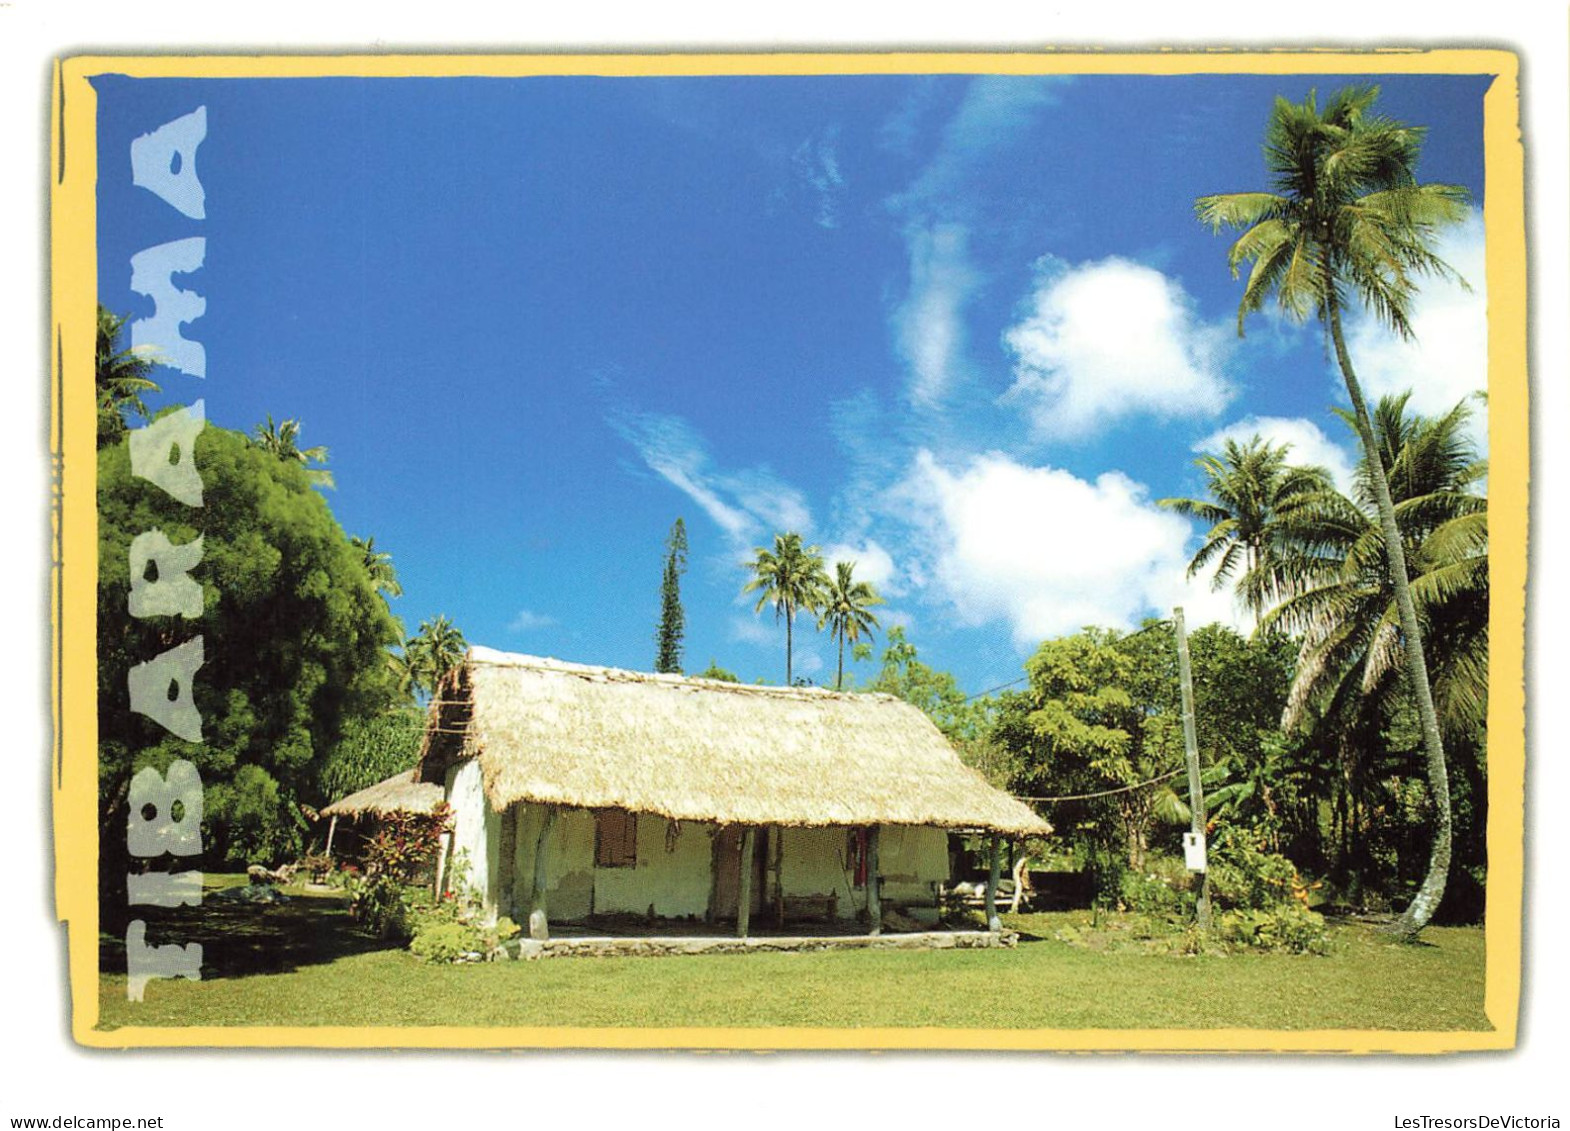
(306, 964)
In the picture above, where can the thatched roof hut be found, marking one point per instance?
(403, 792)
(555, 733)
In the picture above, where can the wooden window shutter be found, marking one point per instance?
(615, 838)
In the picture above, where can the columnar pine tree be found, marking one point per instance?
(673, 621)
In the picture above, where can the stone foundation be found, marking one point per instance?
(607, 947)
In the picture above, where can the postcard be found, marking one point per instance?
(948, 551)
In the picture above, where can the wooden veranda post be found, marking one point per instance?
(1196, 792)
(744, 898)
(539, 924)
(994, 873)
(874, 896)
(332, 827)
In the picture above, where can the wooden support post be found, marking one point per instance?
(505, 897)
(442, 855)
(993, 873)
(874, 897)
(1196, 791)
(332, 827)
(539, 924)
(744, 896)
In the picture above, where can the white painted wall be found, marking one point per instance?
(475, 829)
(675, 881)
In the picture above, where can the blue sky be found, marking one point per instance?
(962, 330)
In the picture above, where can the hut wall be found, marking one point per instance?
(476, 830)
(671, 875)
(814, 862)
(911, 859)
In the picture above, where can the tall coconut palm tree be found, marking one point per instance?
(431, 653)
(1248, 485)
(846, 610)
(123, 375)
(1348, 220)
(790, 577)
(1344, 605)
(283, 441)
(378, 566)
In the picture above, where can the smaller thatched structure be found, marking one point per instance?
(401, 793)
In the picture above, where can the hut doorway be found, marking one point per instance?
(724, 900)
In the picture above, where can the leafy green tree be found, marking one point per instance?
(283, 441)
(373, 749)
(673, 621)
(790, 577)
(1248, 484)
(714, 671)
(847, 612)
(936, 693)
(123, 375)
(1348, 217)
(1103, 713)
(293, 637)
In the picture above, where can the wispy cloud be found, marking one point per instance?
(1106, 340)
(744, 504)
(929, 325)
(529, 621)
(816, 162)
(937, 209)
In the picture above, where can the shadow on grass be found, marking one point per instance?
(241, 939)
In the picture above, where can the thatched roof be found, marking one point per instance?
(702, 750)
(401, 792)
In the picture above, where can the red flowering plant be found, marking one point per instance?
(397, 857)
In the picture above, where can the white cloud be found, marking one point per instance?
(873, 564)
(528, 621)
(1310, 446)
(1111, 339)
(1048, 553)
(1448, 360)
(743, 504)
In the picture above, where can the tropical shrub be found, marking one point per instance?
(1244, 876)
(1289, 927)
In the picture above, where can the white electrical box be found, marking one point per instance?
(1194, 851)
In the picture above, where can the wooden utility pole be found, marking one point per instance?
(1196, 792)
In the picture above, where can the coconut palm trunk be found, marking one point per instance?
(1426, 901)
(790, 615)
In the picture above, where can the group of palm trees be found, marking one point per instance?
(1347, 221)
(792, 578)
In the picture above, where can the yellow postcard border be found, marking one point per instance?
(73, 766)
